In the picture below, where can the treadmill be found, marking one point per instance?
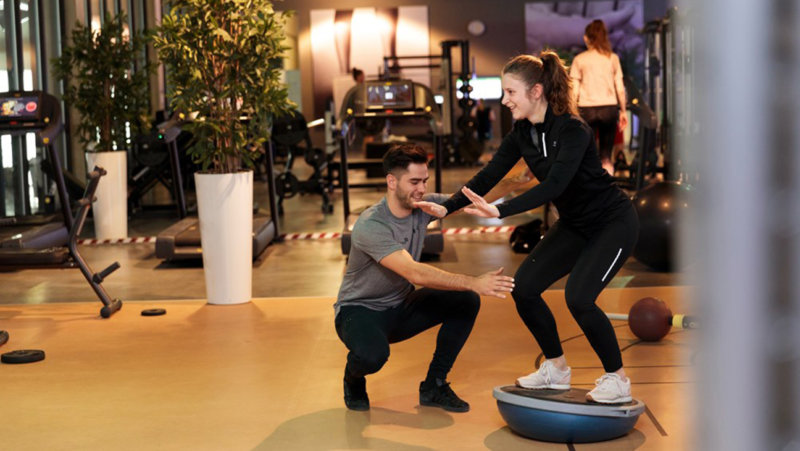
(400, 102)
(52, 245)
(181, 241)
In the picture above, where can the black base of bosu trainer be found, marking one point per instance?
(564, 416)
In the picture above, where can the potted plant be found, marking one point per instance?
(112, 100)
(221, 59)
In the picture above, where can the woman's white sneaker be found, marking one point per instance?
(547, 377)
(611, 388)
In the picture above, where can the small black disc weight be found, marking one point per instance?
(23, 356)
(3, 337)
(153, 312)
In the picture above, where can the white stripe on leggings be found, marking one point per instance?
(619, 252)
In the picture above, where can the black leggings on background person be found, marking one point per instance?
(367, 333)
(603, 120)
(591, 263)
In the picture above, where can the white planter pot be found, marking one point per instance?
(225, 207)
(110, 210)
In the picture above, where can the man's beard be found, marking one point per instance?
(405, 199)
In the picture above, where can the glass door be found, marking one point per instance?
(24, 186)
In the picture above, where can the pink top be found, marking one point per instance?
(597, 79)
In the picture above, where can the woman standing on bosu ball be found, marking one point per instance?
(595, 233)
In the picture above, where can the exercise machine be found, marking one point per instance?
(181, 241)
(642, 146)
(460, 148)
(53, 245)
(397, 102)
(290, 139)
(157, 160)
(669, 87)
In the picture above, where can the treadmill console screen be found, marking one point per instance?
(22, 109)
(390, 95)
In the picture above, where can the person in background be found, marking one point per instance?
(484, 116)
(358, 75)
(599, 90)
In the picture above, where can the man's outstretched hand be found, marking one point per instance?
(431, 208)
(493, 283)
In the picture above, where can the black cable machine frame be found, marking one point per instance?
(462, 148)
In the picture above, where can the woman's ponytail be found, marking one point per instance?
(557, 83)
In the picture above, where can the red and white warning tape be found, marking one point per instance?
(129, 240)
(451, 231)
(311, 236)
(471, 230)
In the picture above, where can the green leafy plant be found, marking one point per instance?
(97, 68)
(222, 61)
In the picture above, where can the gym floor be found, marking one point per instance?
(267, 374)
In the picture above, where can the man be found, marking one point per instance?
(378, 303)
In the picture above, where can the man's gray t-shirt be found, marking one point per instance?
(376, 234)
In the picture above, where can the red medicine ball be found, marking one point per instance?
(650, 319)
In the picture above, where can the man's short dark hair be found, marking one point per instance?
(400, 156)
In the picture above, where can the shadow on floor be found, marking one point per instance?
(344, 429)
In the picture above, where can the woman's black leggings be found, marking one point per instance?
(603, 120)
(367, 333)
(591, 263)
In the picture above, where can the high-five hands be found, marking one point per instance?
(431, 208)
(493, 283)
(479, 205)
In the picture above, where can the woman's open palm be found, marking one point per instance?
(479, 205)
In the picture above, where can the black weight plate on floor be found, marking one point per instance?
(153, 312)
(3, 337)
(23, 356)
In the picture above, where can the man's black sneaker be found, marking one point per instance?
(439, 394)
(355, 393)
